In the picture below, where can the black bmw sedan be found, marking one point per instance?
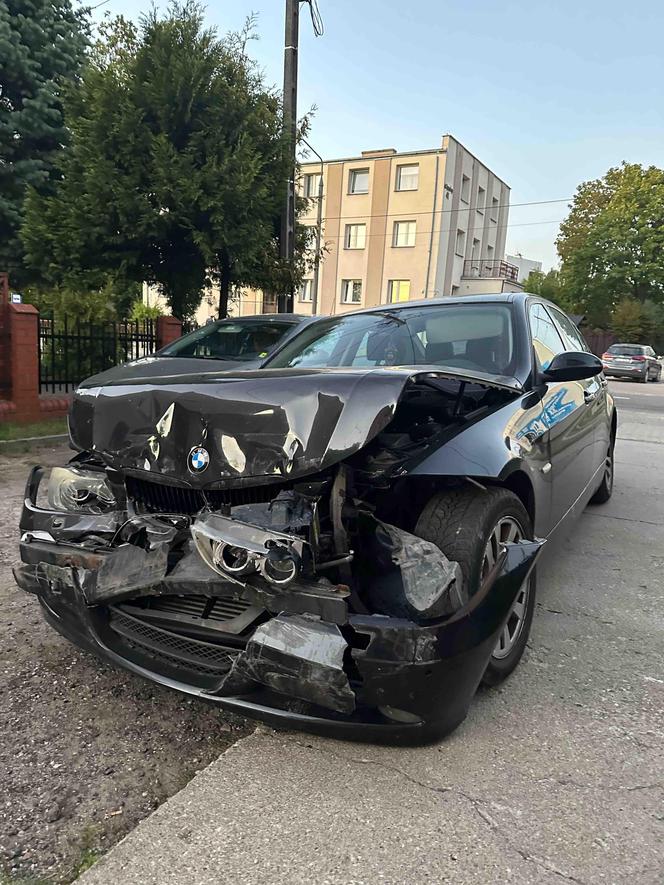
(344, 540)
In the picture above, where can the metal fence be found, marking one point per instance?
(491, 269)
(71, 350)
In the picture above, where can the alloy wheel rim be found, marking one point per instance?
(507, 530)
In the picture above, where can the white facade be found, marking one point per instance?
(525, 265)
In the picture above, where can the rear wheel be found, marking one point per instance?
(470, 526)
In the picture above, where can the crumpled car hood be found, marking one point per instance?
(272, 423)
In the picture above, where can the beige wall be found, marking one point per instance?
(432, 265)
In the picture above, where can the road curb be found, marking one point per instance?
(165, 819)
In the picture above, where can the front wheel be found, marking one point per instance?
(470, 526)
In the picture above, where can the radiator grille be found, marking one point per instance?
(205, 607)
(191, 654)
(163, 498)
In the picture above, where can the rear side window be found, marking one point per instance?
(626, 350)
(571, 335)
(546, 338)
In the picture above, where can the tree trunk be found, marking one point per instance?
(224, 287)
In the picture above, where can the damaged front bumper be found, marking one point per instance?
(295, 655)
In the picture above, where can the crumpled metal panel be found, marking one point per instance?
(299, 657)
(268, 423)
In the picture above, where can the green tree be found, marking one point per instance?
(549, 285)
(627, 320)
(177, 167)
(612, 242)
(42, 45)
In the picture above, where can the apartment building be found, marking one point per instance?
(400, 226)
(396, 226)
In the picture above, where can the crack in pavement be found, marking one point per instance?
(476, 805)
(659, 525)
(570, 782)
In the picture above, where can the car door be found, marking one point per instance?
(596, 391)
(566, 417)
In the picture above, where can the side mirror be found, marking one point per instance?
(572, 366)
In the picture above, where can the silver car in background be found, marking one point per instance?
(632, 361)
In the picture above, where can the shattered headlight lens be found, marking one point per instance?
(79, 490)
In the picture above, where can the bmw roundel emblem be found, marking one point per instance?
(198, 459)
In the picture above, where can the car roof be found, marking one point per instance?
(489, 298)
(266, 318)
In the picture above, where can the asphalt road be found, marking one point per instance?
(556, 776)
(631, 396)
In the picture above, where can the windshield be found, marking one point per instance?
(474, 337)
(238, 341)
(625, 350)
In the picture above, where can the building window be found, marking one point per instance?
(481, 199)
(455, 291)
(408, 177)
(305, 292)
(465, 188)
(460, 245)
(358, 181)
(494, 209)
(351, 291)
(475, 255)
(398, 290)
(356, 236)
(489, 258)
(404, 233)
(269, 302)
(311, 182)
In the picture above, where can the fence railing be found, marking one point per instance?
(475, 268)
(71, 350)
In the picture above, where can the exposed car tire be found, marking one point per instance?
(463, 523)
(644, 380)
(605, 489)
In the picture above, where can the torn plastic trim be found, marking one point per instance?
(409, 577)
(298, 657)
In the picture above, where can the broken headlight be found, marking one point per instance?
(79, 490)
(237, 549)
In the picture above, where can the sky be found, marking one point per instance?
(546, 94)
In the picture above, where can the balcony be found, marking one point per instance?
(475, 269)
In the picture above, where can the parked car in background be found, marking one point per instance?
(632, 361)
(233, 343)
(344, 539)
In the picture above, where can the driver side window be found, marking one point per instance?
(546, 339)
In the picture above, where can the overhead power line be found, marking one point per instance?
(387, 234)
(430, 212)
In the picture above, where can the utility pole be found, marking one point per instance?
(291, 42)
(319, 230)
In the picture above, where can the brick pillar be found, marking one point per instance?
(168, 329)
(5, 379)
(24, 361)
